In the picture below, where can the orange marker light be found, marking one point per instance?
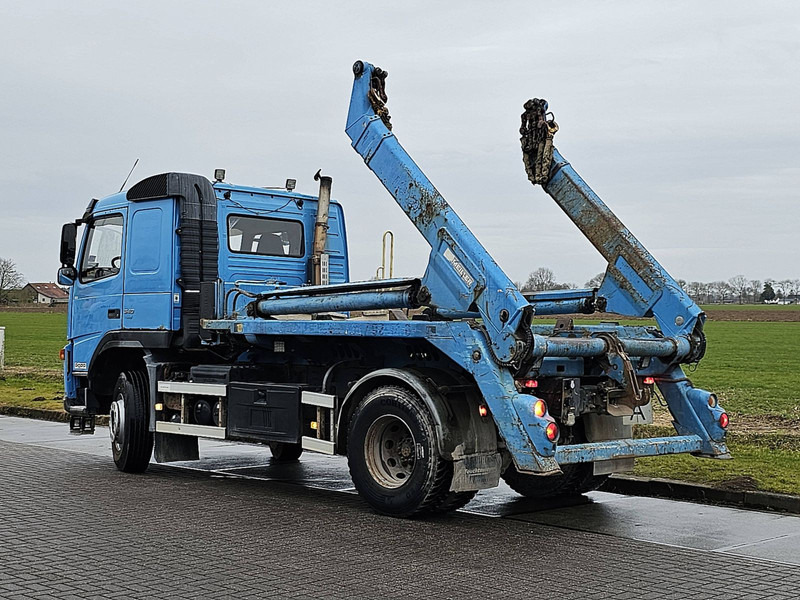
(539, 408)
(551, 431)
(724, 420)
(61, 354)
(649, 380)
(483, 410)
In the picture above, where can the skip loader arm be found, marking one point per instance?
(635, 284)
(461, 277)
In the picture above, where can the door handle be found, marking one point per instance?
(113, 313)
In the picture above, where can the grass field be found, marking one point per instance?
(34, 339)
(33, 369)
(754, 367)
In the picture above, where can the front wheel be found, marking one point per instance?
(393, 457)
(131, 440)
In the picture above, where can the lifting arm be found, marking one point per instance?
(461, 275)
(635, 283)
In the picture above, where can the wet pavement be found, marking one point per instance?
(759, 535)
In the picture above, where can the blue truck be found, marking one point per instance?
(205, 309)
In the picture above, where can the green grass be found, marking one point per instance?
(753, 367)
(32, 392)
(34, 339)
(763, 465)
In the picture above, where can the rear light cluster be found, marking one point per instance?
(724, 420)
(649, 380)
(528, 384)
(539, 408)
(551, 431)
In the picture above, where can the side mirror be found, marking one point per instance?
(67, 275)
(68, 234)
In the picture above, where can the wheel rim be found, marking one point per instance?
(389, 450)
(116, 422)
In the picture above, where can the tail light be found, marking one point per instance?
(724, 420)
(483, 410)
(528, 384)
(539, 408)
(551, 431)
(649, 380)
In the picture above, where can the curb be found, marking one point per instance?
(680, 490)
(41, 414)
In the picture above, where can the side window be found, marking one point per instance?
(270, 237)
(102, 254)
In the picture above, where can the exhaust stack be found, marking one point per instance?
(319, 260)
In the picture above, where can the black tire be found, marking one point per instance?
(131, 440)
(418, 483)
(283, 452)
(575, 480)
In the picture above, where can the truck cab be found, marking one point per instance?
(130, 284)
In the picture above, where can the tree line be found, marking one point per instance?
(736, 289)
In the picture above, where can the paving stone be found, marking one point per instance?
(71, 525)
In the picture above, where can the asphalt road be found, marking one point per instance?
(236, 526)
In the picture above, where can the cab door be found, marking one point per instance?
(97, 292)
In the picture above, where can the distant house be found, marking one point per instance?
(43, 293)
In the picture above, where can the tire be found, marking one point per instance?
(283, 452)
(131, 440)
(575, 480)
(393, 457)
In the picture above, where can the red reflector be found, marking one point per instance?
(61, 354)
(539, 408)
(529, 383)
(724, 420)
(551, 431)
(483, 410)
(649, 380)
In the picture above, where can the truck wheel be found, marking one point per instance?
(131, 441)
(575, 479)
(283, 452)
(392, 455)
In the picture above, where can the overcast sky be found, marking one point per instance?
(683, 117)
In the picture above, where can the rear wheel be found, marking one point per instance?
(575, 479)
(131, 441)
(393, 457)
(283, 452)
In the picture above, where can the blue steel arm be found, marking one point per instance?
(635, 283)
(461, 275)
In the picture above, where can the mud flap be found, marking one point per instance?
(172, 448)
(476, 472)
